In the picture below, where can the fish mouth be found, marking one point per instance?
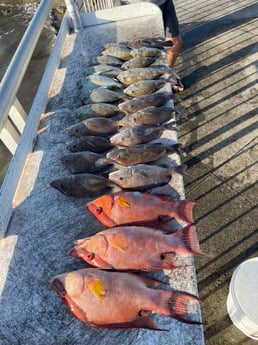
(59, 287)
(73, 252)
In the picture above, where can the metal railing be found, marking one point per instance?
(17, 131)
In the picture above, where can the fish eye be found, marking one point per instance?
(121, 178)
(99, 210)
(162, 256)
(76, 131)
(90, 256)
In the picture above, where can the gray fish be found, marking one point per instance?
(108, 60)
(95, 110)
(149, 116)
(133, 75)
(94, 126)
(144, 176)
(147, 51)
(144, 87)
(155, 99)
(89, 143)
(107, 70)
(82, 185)
(153, 42)
(96, 80)
(84, 162)
(139, 134)
(119, 52)
(138, 62)
(137, 154)
(103, 95)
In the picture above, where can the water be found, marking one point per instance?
(13, 23)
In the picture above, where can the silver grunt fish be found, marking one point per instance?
(144, 87)
(143, 176)
(139, 134)
(103, 95)
(107, 70)
(96, 109)
(138, 62)
(148, 51)
(120, 52)
(142, 153)
(149, 116)
(155, 99)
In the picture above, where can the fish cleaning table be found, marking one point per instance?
(45, 223)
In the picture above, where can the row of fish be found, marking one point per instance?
(120, 299)
(140, 233)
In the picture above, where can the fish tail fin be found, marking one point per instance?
(170, 126)
(183, 210)
(176, 98)
(176, 148)
(177, 306)
(190, 243)
(181, 170)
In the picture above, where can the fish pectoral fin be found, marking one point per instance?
(122, 201)
(119, 242)
(97, 288)
(140, 173)
(169, 261)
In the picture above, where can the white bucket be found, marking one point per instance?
(242, 301)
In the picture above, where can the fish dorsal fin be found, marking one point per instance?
(119, 242)
(122, 201)
(97, 288)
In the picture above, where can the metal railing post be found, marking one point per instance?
(74, 15)
(17, 68)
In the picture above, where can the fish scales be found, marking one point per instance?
(82, 185)
(149, 116)
(90, 294)
(94, 126)
(137, 248)
(139, 134)
(107, 70)
(84, 162)
(142, 153)
(134, 206)
(144, 87)
(138, 62)
(143, 176)
(155, 99)
(89, 143)
(95, 110)
(103, 95)
(132, 75)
